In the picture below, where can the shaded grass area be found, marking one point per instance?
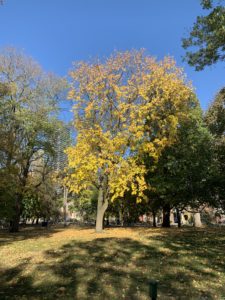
(77, 263)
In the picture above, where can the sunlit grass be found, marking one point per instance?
(77, 263)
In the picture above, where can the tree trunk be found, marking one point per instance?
(121, 217)
(197, 220)
(166, 216)
(14, 223)
(65, 196)
(154, 218)
(178, 218)
(102, 206)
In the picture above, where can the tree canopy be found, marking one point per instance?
(28, 129)
(207, 37)
(215, 119)
(126, 107)
(182, 174)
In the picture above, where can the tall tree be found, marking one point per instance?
(215, 119)
(207, 37)
(28, 126)
(182, 175)
(124, 107)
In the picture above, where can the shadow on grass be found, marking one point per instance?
(207, 244)
(119, 268)
(26, 233)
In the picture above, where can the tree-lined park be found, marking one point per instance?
(112, 178)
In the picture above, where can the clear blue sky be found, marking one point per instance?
(58, 32)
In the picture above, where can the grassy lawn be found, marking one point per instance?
(77, 263)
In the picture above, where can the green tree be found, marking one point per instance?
(28, 127)
(215, 119)
(85, 203)
(182, 175)
(207, 37)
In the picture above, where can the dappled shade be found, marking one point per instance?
(79, 264)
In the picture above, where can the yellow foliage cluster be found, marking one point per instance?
(125, 108)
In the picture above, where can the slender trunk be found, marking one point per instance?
(65, 196)
(14, 223)
(166, 216)
(102, 206)
(197, 220)
(178, 218)
(121, 217)
(154, 218)
(37, 220)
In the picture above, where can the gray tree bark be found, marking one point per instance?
(102, 206)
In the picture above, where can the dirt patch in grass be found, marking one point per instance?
(77, 263)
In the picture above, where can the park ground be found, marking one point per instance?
(77, 263)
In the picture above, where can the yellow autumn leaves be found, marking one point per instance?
(124, 109)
